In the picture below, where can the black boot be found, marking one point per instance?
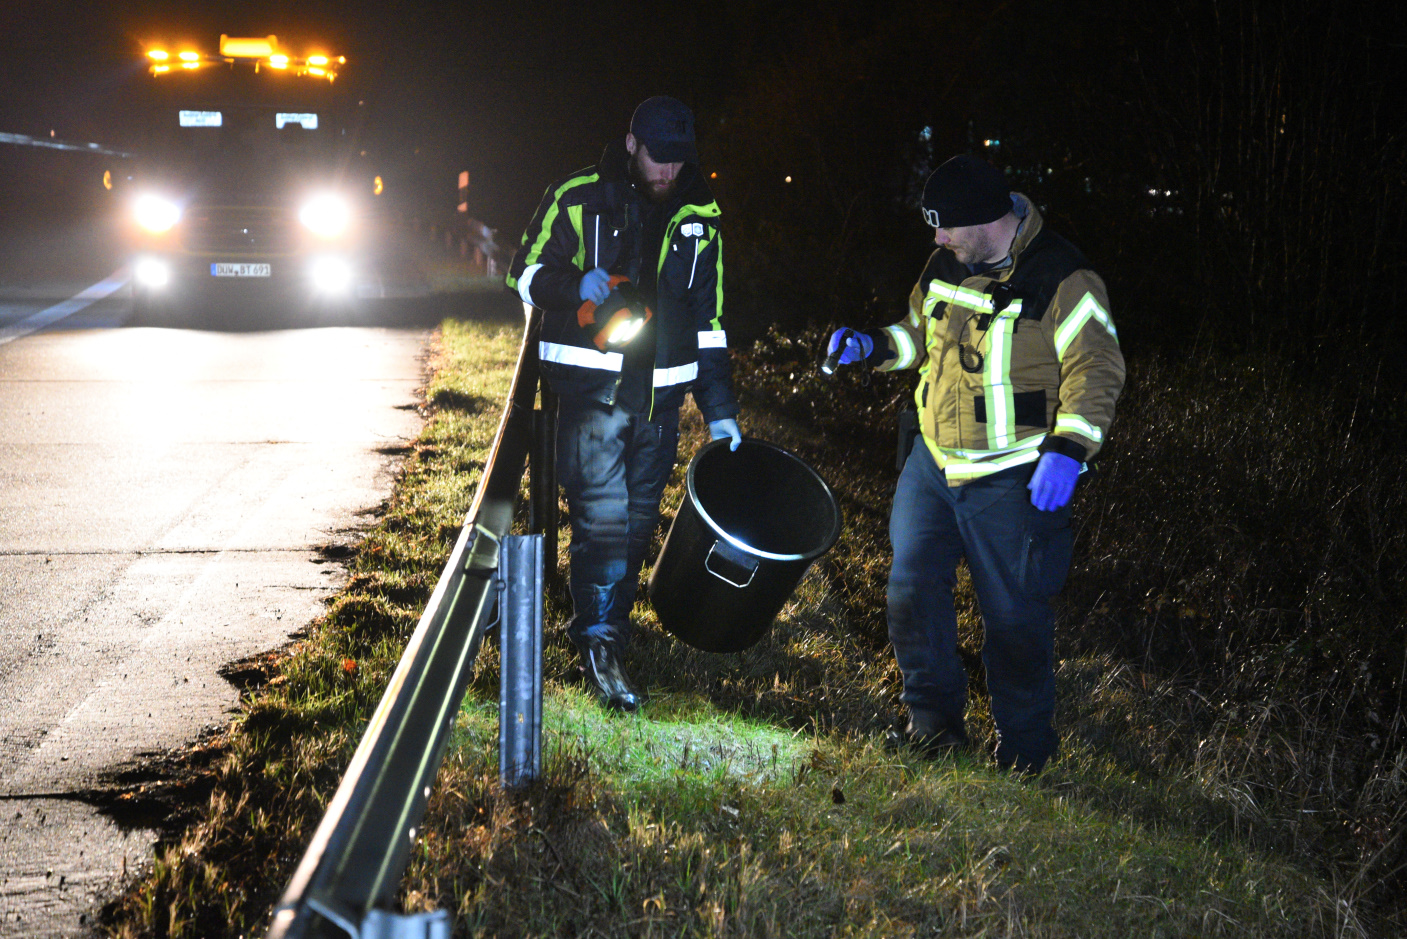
(601, 663)
(927, 737)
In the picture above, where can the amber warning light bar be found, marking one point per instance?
(263, 51)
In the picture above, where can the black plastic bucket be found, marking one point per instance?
(751, 523)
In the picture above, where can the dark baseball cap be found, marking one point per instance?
(966, 190)
(666, 127)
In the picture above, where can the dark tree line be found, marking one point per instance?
(1236, 168)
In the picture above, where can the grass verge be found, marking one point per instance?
(750, 797)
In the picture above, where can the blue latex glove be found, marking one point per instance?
(1053, 482)
(727, 427)
(595, 286)
(857, 345)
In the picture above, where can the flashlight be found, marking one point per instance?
(832, 361)
(618, 319)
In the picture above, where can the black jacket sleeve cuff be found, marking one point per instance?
(880, 353)
(1063, 446)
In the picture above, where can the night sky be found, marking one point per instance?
(517, 93)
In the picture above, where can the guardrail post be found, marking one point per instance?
(542, 477)
(520, 669)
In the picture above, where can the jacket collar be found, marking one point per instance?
(1031, 224)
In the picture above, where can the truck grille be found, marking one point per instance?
(239, 230)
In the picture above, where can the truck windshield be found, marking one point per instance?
(234, 129)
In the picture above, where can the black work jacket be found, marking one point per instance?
(593, 218)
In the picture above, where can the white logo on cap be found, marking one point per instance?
(931, 217)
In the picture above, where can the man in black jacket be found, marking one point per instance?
(625, 260)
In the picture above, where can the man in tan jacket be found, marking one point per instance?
(1019, 368)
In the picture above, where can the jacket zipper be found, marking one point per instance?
(695, 266)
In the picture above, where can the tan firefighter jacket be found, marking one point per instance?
(1013, 362)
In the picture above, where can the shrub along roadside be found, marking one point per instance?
(750, 798)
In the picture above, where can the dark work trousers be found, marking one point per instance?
(1019, 557)
(613, 465)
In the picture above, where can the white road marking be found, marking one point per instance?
(103, 288)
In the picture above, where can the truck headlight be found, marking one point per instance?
(156, 214)
(331, 275)
(325, 216)
(150, 272)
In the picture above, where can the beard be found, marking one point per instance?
(658, 191)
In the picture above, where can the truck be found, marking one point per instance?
(246, 181)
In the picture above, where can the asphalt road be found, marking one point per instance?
(164, 493)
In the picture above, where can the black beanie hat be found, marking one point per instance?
(966, 190)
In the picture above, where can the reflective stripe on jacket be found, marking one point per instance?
(592, 219)
(1013, 362)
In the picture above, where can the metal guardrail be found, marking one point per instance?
(347, 880)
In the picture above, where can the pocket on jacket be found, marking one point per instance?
(1047, 544)
(1028, 408)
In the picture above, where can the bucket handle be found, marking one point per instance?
(733, 558)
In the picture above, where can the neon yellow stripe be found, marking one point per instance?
(574, 216)
(904, 347)
(1000, 405)
(959, 464)
(1088, 308)
(550, 216)
(717, 321)
(1080, 426)
(963, 297)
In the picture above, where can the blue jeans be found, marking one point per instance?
(1019, 557)
(613, 465)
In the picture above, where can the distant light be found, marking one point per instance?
(107, 179)
(991, 142)
(158, 55)
(317, 60)
(341, 60)
(190, 65)
(1152, 192)
(189, 56)
(712, 175)
(278, 61)
(317, 71)
(247, 47)
(926, 133)
(376, 186)
(159, 69)
(788, 179)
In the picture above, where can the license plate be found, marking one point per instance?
(219, 269)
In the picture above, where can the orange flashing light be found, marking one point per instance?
(158, 55)
(189, 56)
(248, 47)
